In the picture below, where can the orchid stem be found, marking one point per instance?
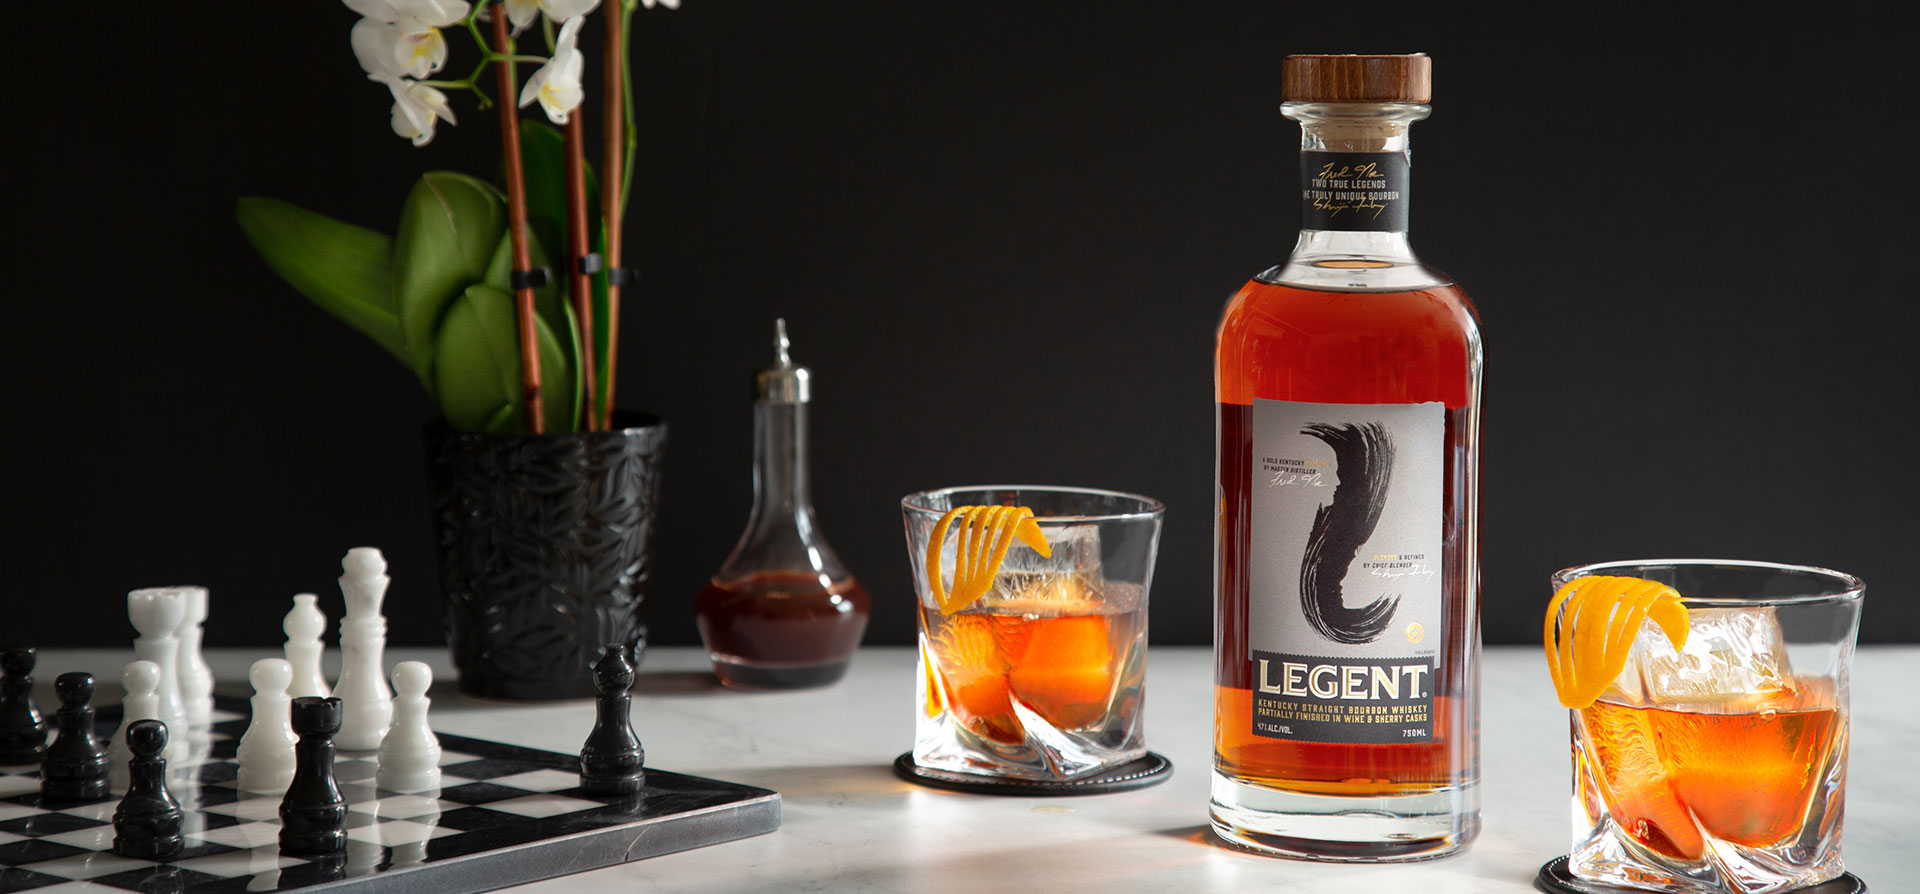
(613, 185)
(517, 226)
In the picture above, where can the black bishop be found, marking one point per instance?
(612, 762)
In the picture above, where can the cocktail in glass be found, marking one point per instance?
(1719, 765)
(1041, 676)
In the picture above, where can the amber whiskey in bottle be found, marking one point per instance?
(1347, 628)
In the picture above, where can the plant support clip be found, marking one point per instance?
(537, 278)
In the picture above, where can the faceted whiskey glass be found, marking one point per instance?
(1721, 767)
(1042, 678)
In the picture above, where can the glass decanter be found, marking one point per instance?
(782, 612)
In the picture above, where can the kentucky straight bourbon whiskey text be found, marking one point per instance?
(1347, 585)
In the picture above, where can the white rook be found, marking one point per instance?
(365, 700)
(156, 613)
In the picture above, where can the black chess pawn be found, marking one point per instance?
(23, 733)
(146, 825)
(612, 762)
(75, 771)
(313, 815)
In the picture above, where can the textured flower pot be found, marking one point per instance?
(546, 551)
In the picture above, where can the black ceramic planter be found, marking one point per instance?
(546, 551)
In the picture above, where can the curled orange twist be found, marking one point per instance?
(1591, 625)
(984, 535)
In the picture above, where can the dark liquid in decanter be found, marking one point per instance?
(799, 631)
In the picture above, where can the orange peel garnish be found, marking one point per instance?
(983, 538)
(1591, 625)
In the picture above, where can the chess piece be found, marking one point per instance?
(363, 640)
(612, 762)
(304, 625)
(75, 771)
(266, 750)
(313, 815)
(196, 679)
(146, 825)
(23, 732)
(141, 679)
(156, 613)
(410, 754)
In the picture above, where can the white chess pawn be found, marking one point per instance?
(156, 614)
(367, 704)
(142, 702)
(266, 751)
(410, 754)
(196, 679)
(304, 624)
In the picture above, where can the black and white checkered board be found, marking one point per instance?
(504, 815)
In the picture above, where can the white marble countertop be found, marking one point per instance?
(850, 825)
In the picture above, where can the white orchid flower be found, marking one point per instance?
(402, 37)
(670, 4)
(416, 108)
(557, 84)
(522, 12)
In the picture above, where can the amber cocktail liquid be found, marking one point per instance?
(1040, 676)
(1719, 765)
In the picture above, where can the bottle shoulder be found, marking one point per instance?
(1267, 301)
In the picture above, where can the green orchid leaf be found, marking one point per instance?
(343, 269)
(450, 227)
(476, 362)
(476, 367)
(547, 300)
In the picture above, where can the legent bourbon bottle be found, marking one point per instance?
(1347, 628)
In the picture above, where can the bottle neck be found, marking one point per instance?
(780, 487)
(1355, 193)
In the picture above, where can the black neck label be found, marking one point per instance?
(1354, 191)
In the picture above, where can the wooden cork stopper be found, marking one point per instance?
(1357, 78)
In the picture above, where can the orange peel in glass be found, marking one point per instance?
(1591, 625)
(982, 539)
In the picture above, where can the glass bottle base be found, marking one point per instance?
(737, 673)
(1384, 829)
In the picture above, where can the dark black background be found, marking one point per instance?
(1002, 234)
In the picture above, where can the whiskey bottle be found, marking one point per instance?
(1347, 629)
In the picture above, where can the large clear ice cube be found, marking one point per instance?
(1733, 657)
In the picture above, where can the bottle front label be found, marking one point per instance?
(1354, 190)
(1344, 618)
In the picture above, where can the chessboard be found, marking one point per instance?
(504, 815)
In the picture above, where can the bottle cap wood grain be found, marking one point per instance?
(1407, 78)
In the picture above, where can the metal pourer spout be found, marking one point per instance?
(783, 382)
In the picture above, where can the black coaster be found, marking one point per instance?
(1141, 773)
(1556, 878)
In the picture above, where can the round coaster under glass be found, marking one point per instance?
(1142, 772)
(1557, 878)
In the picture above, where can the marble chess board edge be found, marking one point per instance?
(519, 815)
